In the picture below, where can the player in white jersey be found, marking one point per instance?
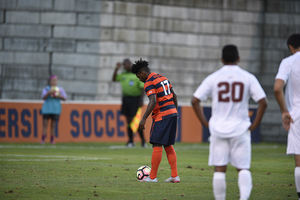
(230, 89)
(289, 75)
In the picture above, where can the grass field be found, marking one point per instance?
(108, 171)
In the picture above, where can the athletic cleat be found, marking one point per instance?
(172, 180)
(52, 142)
(148, 179)
(144, 145)
(43, 139)
(130, 144)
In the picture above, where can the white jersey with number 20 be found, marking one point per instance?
(230, 89)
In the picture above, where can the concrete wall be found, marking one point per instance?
(282, 18)
(81, 41)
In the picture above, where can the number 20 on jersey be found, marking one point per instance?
(230, 91)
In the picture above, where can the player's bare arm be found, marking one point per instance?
(61, 97)
(118, 66)
(279, 95)
(199, 111)
(141, 99)
(262, 106)
(175, 98)
(51, 91)
(150, 107)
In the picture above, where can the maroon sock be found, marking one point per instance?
(52, 138)
(43, 137)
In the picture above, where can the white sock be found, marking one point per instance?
(297, 180)
(219, 185)
(245, 184)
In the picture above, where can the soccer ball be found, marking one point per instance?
(56, 93)
(143, 172)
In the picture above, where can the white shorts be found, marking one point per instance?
(235, 150)
(293, 143)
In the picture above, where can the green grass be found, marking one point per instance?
(97, 171)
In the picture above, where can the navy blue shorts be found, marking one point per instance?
(53, 117)
(164, 132)
(130, 105)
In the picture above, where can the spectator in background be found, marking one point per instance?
(132, 89)
(52, 94)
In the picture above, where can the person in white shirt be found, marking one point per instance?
(230, 89)
(289, 103)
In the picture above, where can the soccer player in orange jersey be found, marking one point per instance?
(163, 106)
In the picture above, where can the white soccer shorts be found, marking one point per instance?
(293, 143)
(235, 150)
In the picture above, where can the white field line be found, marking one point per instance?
(46, 156)
(55, 158)
(49, 147)
(120, 147)
(265, 147)
(60, 147)
(29, 160)
(191, 146)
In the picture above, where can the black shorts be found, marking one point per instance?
(164, 132)
(130, 105)
(53, 117)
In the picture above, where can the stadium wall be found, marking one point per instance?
(81, 40)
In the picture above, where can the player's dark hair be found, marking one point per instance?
(230, 53)
(294, 40)
(140, 65)
(126, 60)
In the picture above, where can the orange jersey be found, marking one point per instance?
(160, 86)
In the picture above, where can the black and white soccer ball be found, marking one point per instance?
(143, 172)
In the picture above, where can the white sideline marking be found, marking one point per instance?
(120, 147)
(49, 147)
(46, 156)
(265, 147)
(60, 147)
(192, 146)
(29, 160)
(58, 158)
